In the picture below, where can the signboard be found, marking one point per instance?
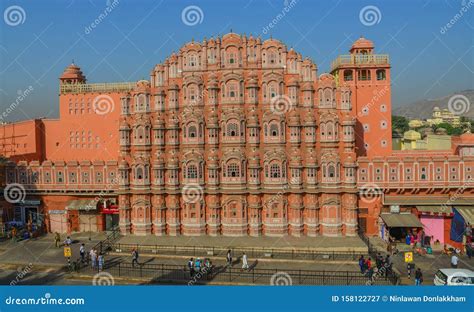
(57, 212)
(394, 209)
(67, 252)
(409, 257)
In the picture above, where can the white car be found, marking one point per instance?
(454, 277)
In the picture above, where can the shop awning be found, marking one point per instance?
(82, 204)
(400, 220)
(440, 209)
(467, 213)
(427, 200)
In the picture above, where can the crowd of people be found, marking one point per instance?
(199, 266)
(96, 260)
(383, 265)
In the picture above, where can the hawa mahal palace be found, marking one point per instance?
(233, 136)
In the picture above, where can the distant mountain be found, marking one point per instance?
(424, 109)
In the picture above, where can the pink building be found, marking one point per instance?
(234, 136)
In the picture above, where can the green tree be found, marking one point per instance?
(400, 124)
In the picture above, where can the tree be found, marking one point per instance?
(399, 123)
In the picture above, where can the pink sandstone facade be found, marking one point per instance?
(230, 136)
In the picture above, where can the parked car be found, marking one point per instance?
(454, 277)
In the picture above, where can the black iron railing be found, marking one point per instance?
(168, 273)
(252, 252)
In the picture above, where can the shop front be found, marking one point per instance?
(435, 220)
(82, 215)
(110, 214)
(399, 225)
(437, 215)
(27, 211)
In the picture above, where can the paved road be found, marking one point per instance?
(35, 276)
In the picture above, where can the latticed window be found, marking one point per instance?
(232, 90)
(274, 130)
(192, 172)
(233, 170)
(331, 171)
(275, 171)
(192, 132)
(232, 129)
(231, 58)
(272, 58)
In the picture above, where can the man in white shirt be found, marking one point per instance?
(245, 264)
(454, 261)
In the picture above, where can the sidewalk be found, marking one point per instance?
(42, 251)
(347, 244)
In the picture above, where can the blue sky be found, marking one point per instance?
(124, 46)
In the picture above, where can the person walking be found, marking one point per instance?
(454, 261)
(57, 239)
(14, 232)
(68, 241)
(101, 262)
(229, 258)
(361, 264)
(418, 277)
(134, 257)
(191, 267)
(93, 257)
(197, 265)
(378, 261)
(245, 264)
(82, 252)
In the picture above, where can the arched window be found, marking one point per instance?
(272, 59)
(275, 171)
(231, 58)
(192, 61)
(233, 170)
(192, 131)
(273, 90)
(139, 173)
(232, 129)
(331, 171)
(141, 103)
(140, 133)
(330, 129)
(327, 96)
(192, 93)
(192, 172)
(274, 130)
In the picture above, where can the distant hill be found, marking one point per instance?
(423, 109)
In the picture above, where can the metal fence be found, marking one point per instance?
(101, 247)
(167, 273)
(253, 252)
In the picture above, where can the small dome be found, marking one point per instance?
(73, 72)
(412, 135)
(362, 43)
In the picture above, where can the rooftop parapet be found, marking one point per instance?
(360, 59)
(97, 87)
